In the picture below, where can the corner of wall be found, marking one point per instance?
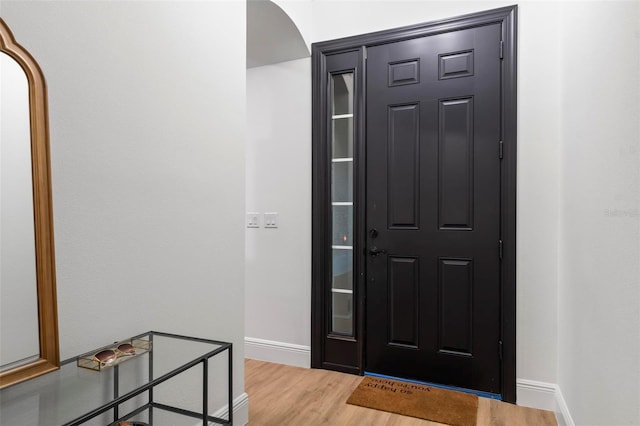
(562, 410)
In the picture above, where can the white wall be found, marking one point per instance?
(537, 198)
(278, 261)
(538, 145)
(599, 292)
(147, 116)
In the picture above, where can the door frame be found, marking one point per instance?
(321, 258)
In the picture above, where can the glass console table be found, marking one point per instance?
(131, 390)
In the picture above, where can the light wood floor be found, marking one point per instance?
(284, 395)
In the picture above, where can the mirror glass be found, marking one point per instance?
(28, 311)
(19, 341)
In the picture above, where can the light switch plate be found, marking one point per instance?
(271, 220)
(253, 220)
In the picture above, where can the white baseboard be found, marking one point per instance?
(278, 352)
(535, 394)
(544, 396)
(240, 411)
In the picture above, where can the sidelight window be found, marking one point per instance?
(342, 97)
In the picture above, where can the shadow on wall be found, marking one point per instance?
(272, 37)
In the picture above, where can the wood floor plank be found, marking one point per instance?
(284, 395)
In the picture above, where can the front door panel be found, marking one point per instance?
(433, 199)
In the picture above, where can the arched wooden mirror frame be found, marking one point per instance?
(49, 359)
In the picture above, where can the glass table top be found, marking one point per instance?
(62, 396)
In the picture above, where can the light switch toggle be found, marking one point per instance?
(271, 220)
(253, 220)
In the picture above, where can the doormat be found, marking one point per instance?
(409, 399)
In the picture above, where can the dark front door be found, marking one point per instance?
(433, 208)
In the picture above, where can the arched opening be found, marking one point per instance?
(272, 36)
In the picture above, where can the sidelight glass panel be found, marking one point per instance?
(342, 181)
(342, 226)
(342, 269)
(342, 319)
(342, 133)
(342, 101)
(342, 153)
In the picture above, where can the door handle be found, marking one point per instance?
(374, 251)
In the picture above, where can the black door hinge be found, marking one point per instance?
(501, 149)
(500, 249)
(501, 49)
(500, 350)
